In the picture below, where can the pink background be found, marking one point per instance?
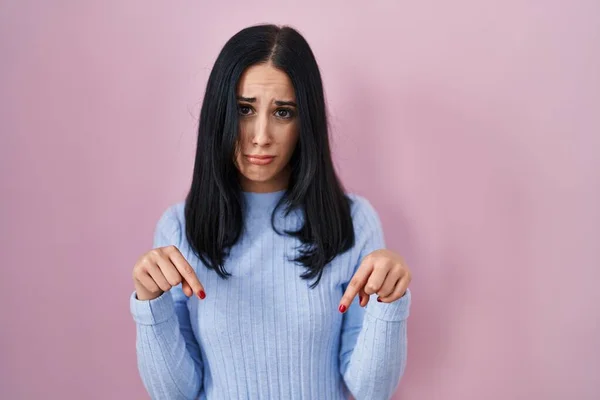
(472, 126)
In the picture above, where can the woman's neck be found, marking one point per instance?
(276, 184)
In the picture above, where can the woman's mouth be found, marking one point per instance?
(259, 160)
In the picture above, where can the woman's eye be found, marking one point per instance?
(283, 113)
(244, 110)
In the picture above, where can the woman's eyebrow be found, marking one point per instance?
(285, 103)
(276, 102)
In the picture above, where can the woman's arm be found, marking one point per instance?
(168, 354)
(373, 350)
(373, 343)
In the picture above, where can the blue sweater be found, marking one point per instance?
(263, 333)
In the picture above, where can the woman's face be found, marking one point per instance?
(268, 121)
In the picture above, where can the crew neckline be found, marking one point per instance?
(263, 200)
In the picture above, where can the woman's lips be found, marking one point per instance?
(260, 160)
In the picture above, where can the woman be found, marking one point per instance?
(281, 261)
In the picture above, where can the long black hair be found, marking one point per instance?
(214, 210)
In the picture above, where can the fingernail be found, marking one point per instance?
(360, 299)
(342, 308)
(379, 299)
(201, 294)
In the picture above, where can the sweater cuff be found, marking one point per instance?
(152, 312)
(397, 311)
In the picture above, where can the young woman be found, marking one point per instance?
(258, 284)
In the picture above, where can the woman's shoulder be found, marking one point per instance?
(172, 218)
(360, 207)
(367, 225)
(362, 211)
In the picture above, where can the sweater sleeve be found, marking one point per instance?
(168, 355)
(373, 342)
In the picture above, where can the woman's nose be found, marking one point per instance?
(261, 134)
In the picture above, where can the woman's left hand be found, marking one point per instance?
(383, 272)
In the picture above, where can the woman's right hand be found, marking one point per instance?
(160, 269)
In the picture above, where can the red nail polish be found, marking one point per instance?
(201, 294)
(360, 299)
(379, 299)
(342, 308)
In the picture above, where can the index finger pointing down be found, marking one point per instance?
(187, 273)
(357, 283)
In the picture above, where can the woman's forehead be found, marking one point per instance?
(264, 82)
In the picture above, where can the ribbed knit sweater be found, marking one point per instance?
(263, 333)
